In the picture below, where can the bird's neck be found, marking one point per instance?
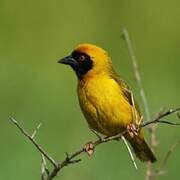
(92, 77)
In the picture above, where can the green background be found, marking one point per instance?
(35, 89)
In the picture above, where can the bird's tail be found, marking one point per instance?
(141, 149)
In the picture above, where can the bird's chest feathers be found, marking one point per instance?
(100, 93)
(102, 102)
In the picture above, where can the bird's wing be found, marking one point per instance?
(127, 91)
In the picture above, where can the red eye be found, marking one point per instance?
(82, 58)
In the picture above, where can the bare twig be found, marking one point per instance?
(161, 115)
(130, 152)
(178, 115)
(44, 168)
(135, 116)
(25, 133)
(43, 171)
(35, 131)
(136, 72)
(159, 171)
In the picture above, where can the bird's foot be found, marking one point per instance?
(132, 130)
(89, 148)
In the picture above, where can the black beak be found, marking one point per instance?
(69, 60)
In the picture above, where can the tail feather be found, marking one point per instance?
(141, 149)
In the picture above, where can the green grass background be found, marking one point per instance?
(34, 88)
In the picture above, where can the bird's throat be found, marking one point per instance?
(82, 68)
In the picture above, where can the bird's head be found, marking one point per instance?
(87, 60)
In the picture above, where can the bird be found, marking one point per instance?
(105, 99)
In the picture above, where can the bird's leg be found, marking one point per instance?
(89, 148)
(132, 130)
(140, 121)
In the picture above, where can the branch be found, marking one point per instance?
(127, 39)
(35, 131)
(31, 138)
(160, 171)
(72, 158)
(44, 168)
(162, 115)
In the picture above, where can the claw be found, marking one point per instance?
(132, 130)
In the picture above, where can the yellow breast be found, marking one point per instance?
(104, 105)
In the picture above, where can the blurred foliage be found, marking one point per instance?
(34, 88)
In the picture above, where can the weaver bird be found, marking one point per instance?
(105, 99)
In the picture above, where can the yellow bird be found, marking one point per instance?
(105, 99)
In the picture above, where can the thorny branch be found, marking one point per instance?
(31, 138)
(72, 158)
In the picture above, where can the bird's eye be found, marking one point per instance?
(82, 58)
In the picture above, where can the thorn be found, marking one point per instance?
(178, 115)
(12, 119)
(67, 156)
(75, 161)
(35, 131)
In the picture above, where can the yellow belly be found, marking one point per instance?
(104, 105)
